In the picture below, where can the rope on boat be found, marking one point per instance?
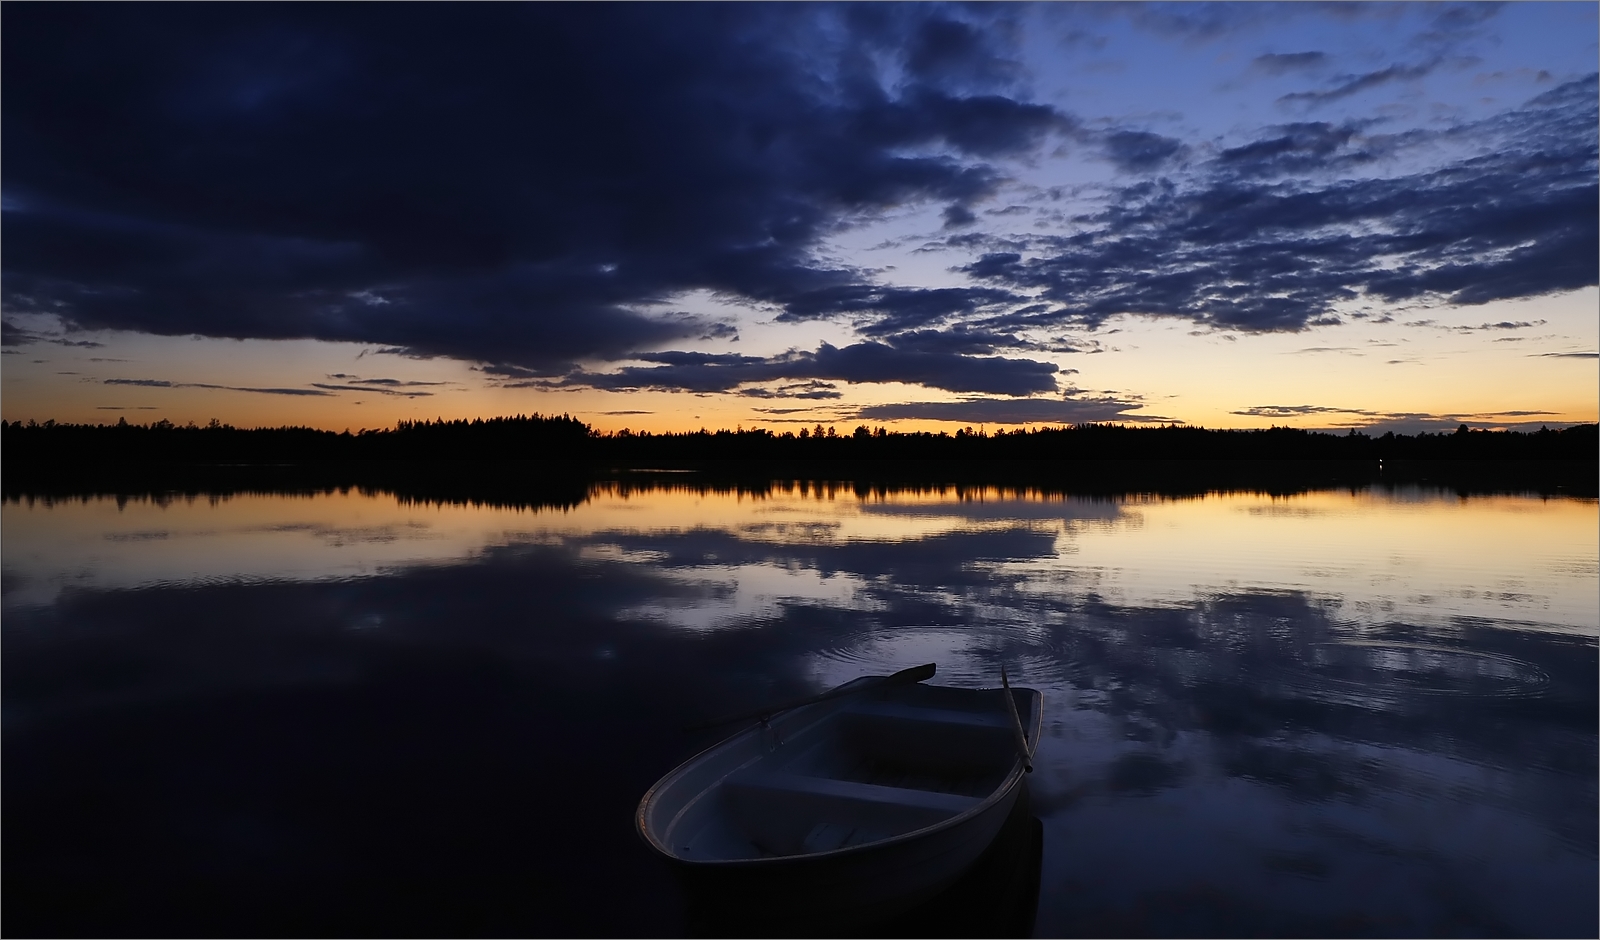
(1016, 721)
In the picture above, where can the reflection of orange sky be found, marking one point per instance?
(1202, 379)
(1378, 559)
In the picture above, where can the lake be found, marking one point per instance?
(1353, 712)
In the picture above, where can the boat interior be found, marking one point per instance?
(879, 765)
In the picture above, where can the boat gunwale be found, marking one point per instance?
(1019, 769)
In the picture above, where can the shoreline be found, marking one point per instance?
(568, 482)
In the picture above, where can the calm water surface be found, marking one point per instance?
(1337, 713)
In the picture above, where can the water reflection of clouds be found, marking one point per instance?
(1384, 558)
(111, 543)
(1071, 510)
(751, 594)
(338, 536)
(1254, 738)
(1296, 512)
(137, 536)
(741, 577)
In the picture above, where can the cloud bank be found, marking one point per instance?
(517, 185)
(861, 362)
(529, 188)
(1245, 246)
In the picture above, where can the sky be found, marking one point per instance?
(669, 216)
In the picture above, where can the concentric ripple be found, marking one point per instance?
(966, 655)
(1371, 672)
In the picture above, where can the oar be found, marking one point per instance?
(1016, 721)
(903, 677)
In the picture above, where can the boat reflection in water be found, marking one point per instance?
(997, 897)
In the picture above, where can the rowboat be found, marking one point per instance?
(860, 803)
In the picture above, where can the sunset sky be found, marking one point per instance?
(672, 216)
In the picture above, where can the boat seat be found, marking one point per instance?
(906, 711)
(778, 809)
(930, 739)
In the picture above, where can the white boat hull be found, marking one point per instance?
(767, 858)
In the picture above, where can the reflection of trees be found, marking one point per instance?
(497, 485)
(454, 696)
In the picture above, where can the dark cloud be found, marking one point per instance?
(1294, 148)
(1461, 17)
(965, 340)
(1399, 421)
(1279, 63)
(860, 362)
(1456, 23)
(396, 387)
(319, 390)
(816, 391)
(1077, 409)
(995, 264)
(1567, 355)
(1292, 411)
(891, 309)
(1503, 325)
(1195, 22)
(1537, 76)
(1231, 250)
(944, 50)
(1355, 84)
(531, 188)
(1202, 22)
(260, 391)
(518, 185)
(972, 241)
(387, 383)
(381, 390)
(1141, 151)
(13, 335)
(518, 372)
(957, 216)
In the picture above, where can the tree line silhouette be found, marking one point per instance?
(540, 437)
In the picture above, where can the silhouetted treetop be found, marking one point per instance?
(550, 437)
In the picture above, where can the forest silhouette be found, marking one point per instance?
(564, 438)
(551, 461)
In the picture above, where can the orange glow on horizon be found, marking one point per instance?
(1377, 374)
(1388, 557)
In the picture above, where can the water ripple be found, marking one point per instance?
(1379, 672)
(966, 655)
